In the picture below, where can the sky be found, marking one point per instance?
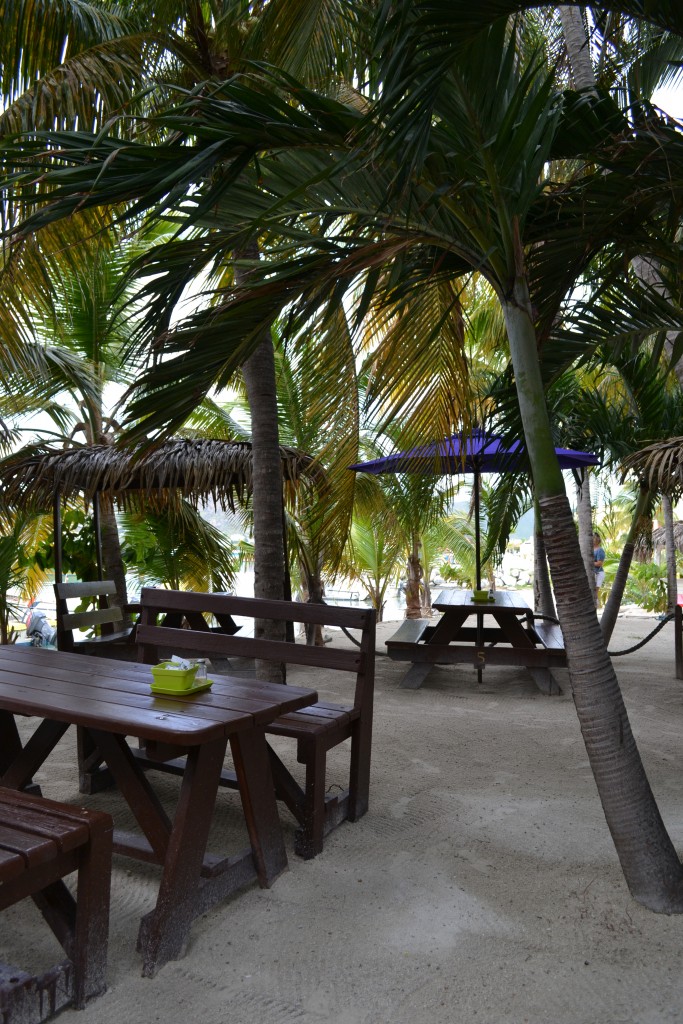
(670, 100)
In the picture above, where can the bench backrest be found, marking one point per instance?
(107, 615)
(155, 603)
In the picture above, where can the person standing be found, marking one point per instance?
(598, 562)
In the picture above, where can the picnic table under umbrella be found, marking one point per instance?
(477, 453)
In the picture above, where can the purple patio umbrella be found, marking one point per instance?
(477, 454)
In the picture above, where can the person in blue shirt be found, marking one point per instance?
(598, 561)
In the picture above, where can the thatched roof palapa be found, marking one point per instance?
(197, 469)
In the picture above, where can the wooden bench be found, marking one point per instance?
(316, 729)
(549, 635)
(400, 643)
(40, 842)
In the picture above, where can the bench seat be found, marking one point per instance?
(41, 842)
(411, 631)
(549, 634)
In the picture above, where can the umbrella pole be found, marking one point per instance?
(477, 555)
(477, 538)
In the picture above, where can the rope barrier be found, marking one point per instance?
(636, 647)
(629, 650)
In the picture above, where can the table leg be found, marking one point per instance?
(446, 629)
(22, 763)
(517, 636)
(136, 790)
(163, 933)
(10, 744)
(416, 675)
(257, 791)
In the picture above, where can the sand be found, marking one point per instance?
(482, 886)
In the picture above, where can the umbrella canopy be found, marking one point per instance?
(480, 453)
(477, 454)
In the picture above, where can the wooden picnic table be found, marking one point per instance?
(505, 632)
(113, 700)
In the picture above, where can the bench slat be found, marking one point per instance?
(34, 849)
(93, 617)
(549, 634)
(67, 835)
(11, 865)
(410, 631)
(248, 647)
(252, 607)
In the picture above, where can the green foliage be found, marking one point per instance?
(646, 586)
(455, 574)
(373, 558)
(18, 572)
(79, 552)
(177, 549)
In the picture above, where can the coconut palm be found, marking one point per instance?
(372, 558)
(163, 46)
(631, 400)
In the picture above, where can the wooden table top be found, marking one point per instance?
(510, 600)
(115, 696)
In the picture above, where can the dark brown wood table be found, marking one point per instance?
(112, 699)
(504, 632)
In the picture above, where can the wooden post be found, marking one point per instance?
(98, 533)
(57, 531)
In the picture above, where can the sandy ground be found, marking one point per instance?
(482, 886)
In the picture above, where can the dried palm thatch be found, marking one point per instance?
(659, 541)
(197, 470)
(660, 465)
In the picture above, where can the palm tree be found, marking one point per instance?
(631, 400)
(372, 557)
(184, 43)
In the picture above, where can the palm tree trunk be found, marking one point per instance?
(269, 558)
(267, 501)
(112, 559)
(543, 592)
(426, 596)
(651, 867)
(584, 512)
(670, 551)
(414, 584)
(578, 47)
(616, 594)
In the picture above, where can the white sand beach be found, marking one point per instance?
(482, 886)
